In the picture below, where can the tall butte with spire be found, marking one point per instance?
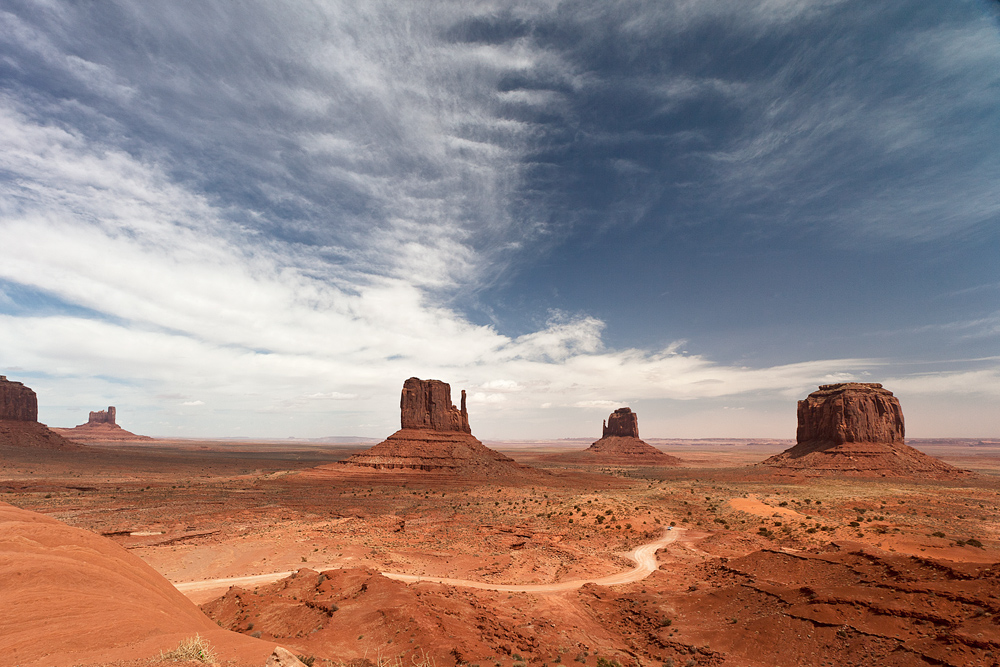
(856, 429)
(19, 425)
(434, 436)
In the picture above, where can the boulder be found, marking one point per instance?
(282, 657)
(855, 429)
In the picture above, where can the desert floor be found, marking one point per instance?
(759, 569)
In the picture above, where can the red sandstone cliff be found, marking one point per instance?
(619, 445)
(19, 426)
(17, 402)
(855, 428)
(101, 426)
(435, 436)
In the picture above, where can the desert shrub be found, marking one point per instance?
(973, 542)
(307, 660)
(192, 648)
(937, 534)
(855, 524)
(601, 662)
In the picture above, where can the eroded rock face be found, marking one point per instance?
(426, 404)
(619, 445)
(17, 402)
(850, 412)
(622, 422)
(103, 416)
(856, 429)
(435, 437)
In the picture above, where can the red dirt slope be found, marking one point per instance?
(71, 597)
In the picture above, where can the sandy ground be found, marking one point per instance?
(199, 511)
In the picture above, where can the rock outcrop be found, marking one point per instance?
(17, 402)
(435, 436)
(622, 422)
(103, 416)
(101, 426)
(855, 429)
(71, 597)
(19, 426)
(619, 445)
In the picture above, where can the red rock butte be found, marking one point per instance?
(434, 436)
(856, 429)
(19, 426)
(101, 426)
(620, 445)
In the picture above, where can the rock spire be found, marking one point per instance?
(17, 402)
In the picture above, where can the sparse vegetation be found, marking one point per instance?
(194, 648)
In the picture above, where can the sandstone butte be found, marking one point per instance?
(620, 445)
(101, 426)
(19, 426)
(71, 597)
(856, 429)
(435, 436)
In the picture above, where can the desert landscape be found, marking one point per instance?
(434, 548)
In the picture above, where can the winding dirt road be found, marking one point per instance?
(644, 557)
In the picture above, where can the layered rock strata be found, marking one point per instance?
(620, 445)
(19, 426)
(855, 429)
(103, 417)
(101, 426)
(434, 436)
(17, 402)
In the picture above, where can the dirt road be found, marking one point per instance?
(644, 557)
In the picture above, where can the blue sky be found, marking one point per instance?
(259, 219)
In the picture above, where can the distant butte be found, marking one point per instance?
(436, 437)
(101, 426)
(856, 429)
(19, 426)
(620, 445)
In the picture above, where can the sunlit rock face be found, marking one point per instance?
(850, 412)
(426, 404)
(435, 437)
(622, 422)
(855, 429)
(103, 416)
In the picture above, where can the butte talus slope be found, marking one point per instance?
(620, 445)
(856, 429)
(101, 425)
(436, 437)
(19, 426)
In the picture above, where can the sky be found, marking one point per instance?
(257, 219)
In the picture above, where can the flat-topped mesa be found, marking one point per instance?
(622, 422)
(856, 429)
(103, 416)
(17, 402)
(850, 412)
(426, 404)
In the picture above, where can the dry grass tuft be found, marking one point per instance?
(192, 648)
